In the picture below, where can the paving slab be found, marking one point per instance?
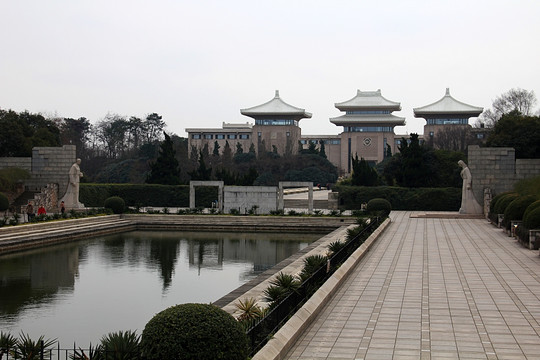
(433, 287)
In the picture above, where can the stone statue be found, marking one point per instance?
(469, 205)
(71, 197)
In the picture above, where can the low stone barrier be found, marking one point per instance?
(284, 339)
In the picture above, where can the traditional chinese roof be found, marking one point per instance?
(368, 119)
(276, 107)
(448, 106)
(372, 100)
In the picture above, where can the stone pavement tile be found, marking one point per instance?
(374, 353)
(408, 344)
(443, 355)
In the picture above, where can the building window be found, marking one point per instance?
(431, 133)
(451, 121)
(220, 136)
(479, 136)
(244, 136)
(288, 133)
(303, 142)
(366, 112)
(231, 136)
(276, 122)
(368, 129)
(259, 134)
(208, 136)
(196, 136)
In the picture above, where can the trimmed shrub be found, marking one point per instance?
(401, 198)
(194, 331)
(531, 207)
(532, 221)
(503, 202)
(116, 204)
(492, 215)
(381, 206)
(4, 202)
(516, 209)
(94, 195)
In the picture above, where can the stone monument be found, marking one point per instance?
(469, 205)
(71, 197)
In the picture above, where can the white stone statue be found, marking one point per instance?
(469, 205)
(71, 197)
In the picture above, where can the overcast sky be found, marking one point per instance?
(197, 63)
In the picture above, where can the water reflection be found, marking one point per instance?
(119, 282)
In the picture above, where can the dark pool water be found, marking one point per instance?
(80, 291)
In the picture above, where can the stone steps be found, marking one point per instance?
(26, 236)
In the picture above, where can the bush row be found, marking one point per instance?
(94, 195)
(427, 199)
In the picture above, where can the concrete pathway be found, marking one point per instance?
(433, 289)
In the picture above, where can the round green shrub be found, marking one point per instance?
(532, 221)
(494, 201)
(503, 202)
(4, 202)
(116, 204)
(379, 205)
(530, 208)
(516, 209)
(194, 331)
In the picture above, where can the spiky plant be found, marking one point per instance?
(287, 282)
(93, 354)
(7, 343)
(311, 265)
(28, 349)
(273, 295)
(120, 345)
(249, 308)
(335, 246)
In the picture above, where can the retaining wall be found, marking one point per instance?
(498, 169)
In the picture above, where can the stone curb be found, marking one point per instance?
(284, 339)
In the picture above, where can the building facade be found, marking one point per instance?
(368, 128)
(448, 115)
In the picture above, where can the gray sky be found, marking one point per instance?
(197, 63)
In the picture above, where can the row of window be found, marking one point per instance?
(364, 112)
(368, 129)
(220, 136)
(447, 121)
(279, 122)
(331, 141)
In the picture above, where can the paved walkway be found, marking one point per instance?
(433, 289)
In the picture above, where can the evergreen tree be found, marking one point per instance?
(202, 172)
(166, 169)
(252, 148)
(226, 157)
(216, 149)
(239, 149)
(363, 174)
(322, 150)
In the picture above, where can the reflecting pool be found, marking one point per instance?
(80, 291)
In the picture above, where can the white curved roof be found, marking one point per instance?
(448, 105)
(368, 100)
(276, 106)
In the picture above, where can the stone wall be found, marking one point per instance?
(49, 172)
(498, 169)
(244, 198)
(18, 162)
(50, 165)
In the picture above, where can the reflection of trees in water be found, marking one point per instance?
(35, 276)
(165, 253)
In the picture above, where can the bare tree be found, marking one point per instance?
(514, 99)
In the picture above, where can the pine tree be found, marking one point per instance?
(165, 170)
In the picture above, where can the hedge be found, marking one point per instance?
(516, 209)
(401, 198)
(94, 195)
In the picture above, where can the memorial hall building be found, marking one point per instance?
(367, 128)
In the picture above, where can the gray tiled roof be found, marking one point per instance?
(447, 105)
(276, 106)
(368, 100)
